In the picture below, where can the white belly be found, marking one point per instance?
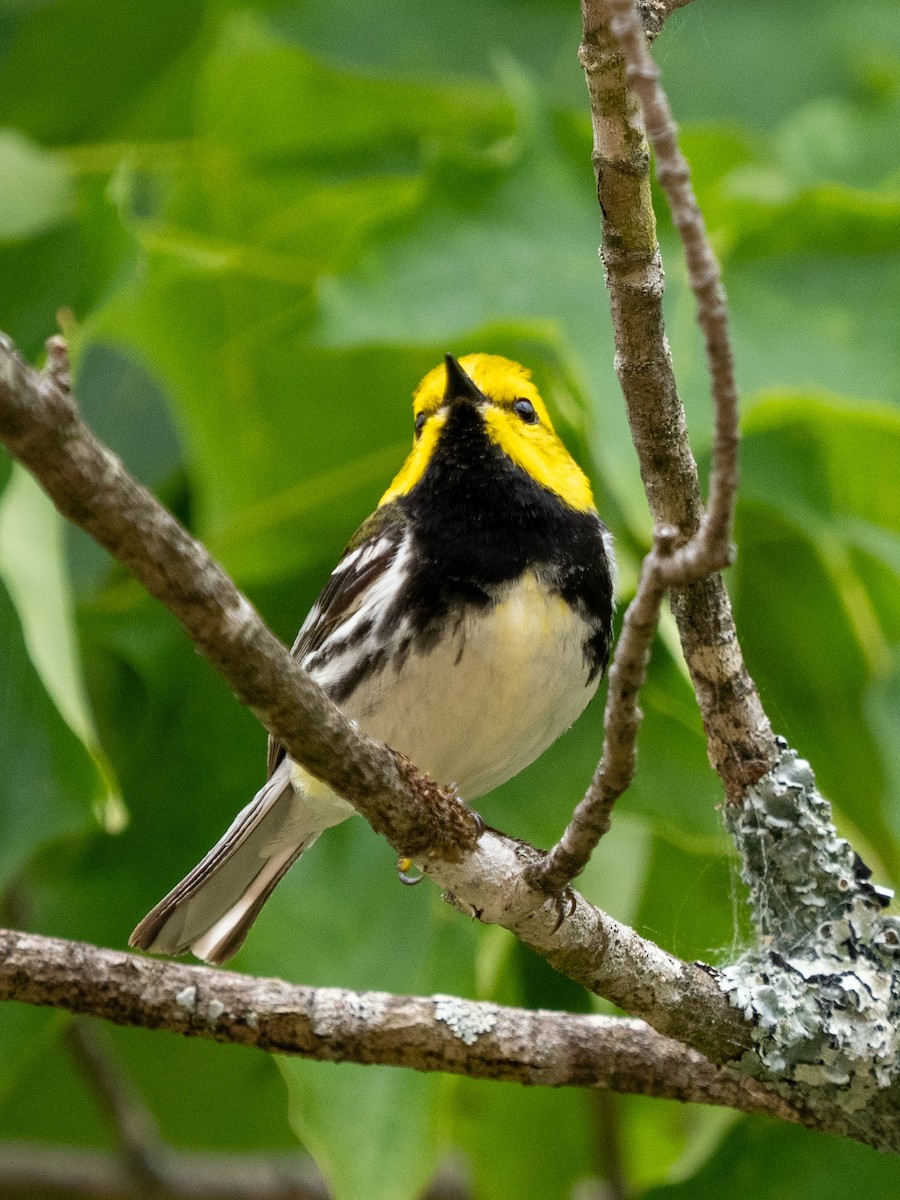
(487, 699)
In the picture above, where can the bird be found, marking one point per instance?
(467, 624)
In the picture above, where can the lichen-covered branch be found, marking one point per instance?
(822, 984)
(427, 1033)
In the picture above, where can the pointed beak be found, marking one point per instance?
(459, 385)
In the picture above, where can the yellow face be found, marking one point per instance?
(515, 418)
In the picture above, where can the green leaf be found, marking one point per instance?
(267, 98)
(768, 215)
(542, 36)
(883, 709)
(32, 565)
(65, 269)
(370, 1129)
(502, 1127)
(819, 529)
(38, 194)
(831, 138)
(48, 782)
(781, 1162)
(75, 71)
(714, 57)
(798, 613)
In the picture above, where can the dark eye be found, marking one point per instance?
(524, 409)
(420, 423)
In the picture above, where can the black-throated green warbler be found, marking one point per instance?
(467, 624)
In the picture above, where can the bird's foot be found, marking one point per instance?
(564, 903)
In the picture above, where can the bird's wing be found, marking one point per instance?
(367, 559)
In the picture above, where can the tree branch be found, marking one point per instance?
(40, 426)
(739, 738)
(427, 1033)
(709, 548)
(685, 1001)
(495, 878)
(33, 1172)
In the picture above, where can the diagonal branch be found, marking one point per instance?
(129, 1118)
(621, 721)
(40, 426)
(427, 1033)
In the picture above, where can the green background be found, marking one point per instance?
(261, 223)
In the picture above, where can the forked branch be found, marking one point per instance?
(740, 741)
(708, 548)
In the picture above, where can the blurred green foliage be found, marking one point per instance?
(264, 222)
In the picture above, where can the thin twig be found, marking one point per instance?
(129, 1118)
(606, 1138)
(621, 719)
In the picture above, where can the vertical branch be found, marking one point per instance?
(709, 548)
(740, 741)
(606, 1123)
(642, 75)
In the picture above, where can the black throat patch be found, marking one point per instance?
(479, 520)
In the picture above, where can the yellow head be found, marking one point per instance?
(515, 419)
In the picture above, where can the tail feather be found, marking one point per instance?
(212, 909)
(226, 937)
